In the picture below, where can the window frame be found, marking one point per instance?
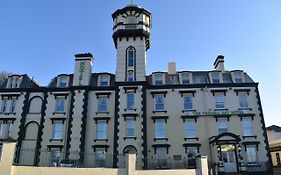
(131, 57)
(130, 76)
(158, 79)
(245, 127)
(130, 100)
(222, 129)
(61, 81)
(130, 126)
(190, 130)
(100, 106)
(188, 103)
(160, 130)
(4, 105)
(100, 157)
(102, 82)
(253, 157)
(101, 130)
(243, 100)
(9, 128)
(238, 77)
(57, 132)
(156, 96)
(55, 157)
(219, 103)
(185, 79)
(215, 77)
(60, 105)
(13, 105)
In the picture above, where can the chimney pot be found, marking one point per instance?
(172, 68)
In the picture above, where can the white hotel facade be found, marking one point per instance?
(165, 118)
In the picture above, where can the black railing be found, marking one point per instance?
(257, 167)
(169, 163)
(49, 158)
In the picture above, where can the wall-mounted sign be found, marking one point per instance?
(81, 70)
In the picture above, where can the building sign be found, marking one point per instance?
(81, 70)
(217, 113)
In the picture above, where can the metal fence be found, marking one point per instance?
(169, 163)
(57, 158)
(257, 167)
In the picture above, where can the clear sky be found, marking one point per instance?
(40, 38)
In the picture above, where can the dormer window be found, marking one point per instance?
(215, 77)
(14, 81)
(185, 78)
(237, 77)
(158, 79)
(63, 82)
(104, 80)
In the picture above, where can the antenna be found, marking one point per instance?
(132, 1)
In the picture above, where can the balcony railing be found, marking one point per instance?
(48, 158)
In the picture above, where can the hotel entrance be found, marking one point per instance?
(228, 157)
(226, 151)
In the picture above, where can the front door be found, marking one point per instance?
(228, 158)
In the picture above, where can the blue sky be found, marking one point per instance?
(40, 38)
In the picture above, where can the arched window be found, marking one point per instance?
(130, 56)
(130, 150)
(31, 131)
(35, 104)
(130, 76)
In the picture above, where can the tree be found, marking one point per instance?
(4, 75)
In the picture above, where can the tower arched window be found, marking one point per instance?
(130, 76)
(131, 56)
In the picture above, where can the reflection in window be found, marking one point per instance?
(130, 127)
(131, 54)
(159, 102)
(215, 77)
(130, 76)
(60, 104)
(200, 79)
(10, 128)
(100, 157)
(161, 157)
(4, 105)
(251, 153)
(237, 77)
(55, 157)
(102, 105)
(190, 128)
(219, 102)
(247, 126)
(185, 78)
(187, 102)
(158, 79)
(104, 80)
(130, 100)
(57, 130)
(222, 125)
(101, 130)
(243, 102)
(226, 78)
(13, 106)
(160, 128)
(63, 82)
